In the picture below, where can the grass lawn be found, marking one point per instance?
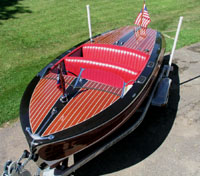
(32, 33)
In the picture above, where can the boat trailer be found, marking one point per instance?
(157, 97)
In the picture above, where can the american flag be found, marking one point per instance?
(143, 18)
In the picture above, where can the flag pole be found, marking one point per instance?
(62, 81)
(174, 45)
(142, 13)
(89, 22)
(63, 97)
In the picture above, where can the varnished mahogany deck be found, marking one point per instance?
(141, 39)
(91, 100)
(44, 97)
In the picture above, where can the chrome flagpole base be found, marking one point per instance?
(64, 98)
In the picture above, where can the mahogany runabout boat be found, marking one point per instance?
(88, 92)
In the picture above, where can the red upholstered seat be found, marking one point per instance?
(126, 64)
(124, 57)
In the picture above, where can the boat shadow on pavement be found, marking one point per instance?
(145, 140)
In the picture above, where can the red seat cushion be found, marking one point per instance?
(105, 63)
(101, 72)
(115, 55)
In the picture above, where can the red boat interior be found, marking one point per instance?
(106, 68)
(108, 64)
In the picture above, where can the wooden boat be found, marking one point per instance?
(101, 85)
